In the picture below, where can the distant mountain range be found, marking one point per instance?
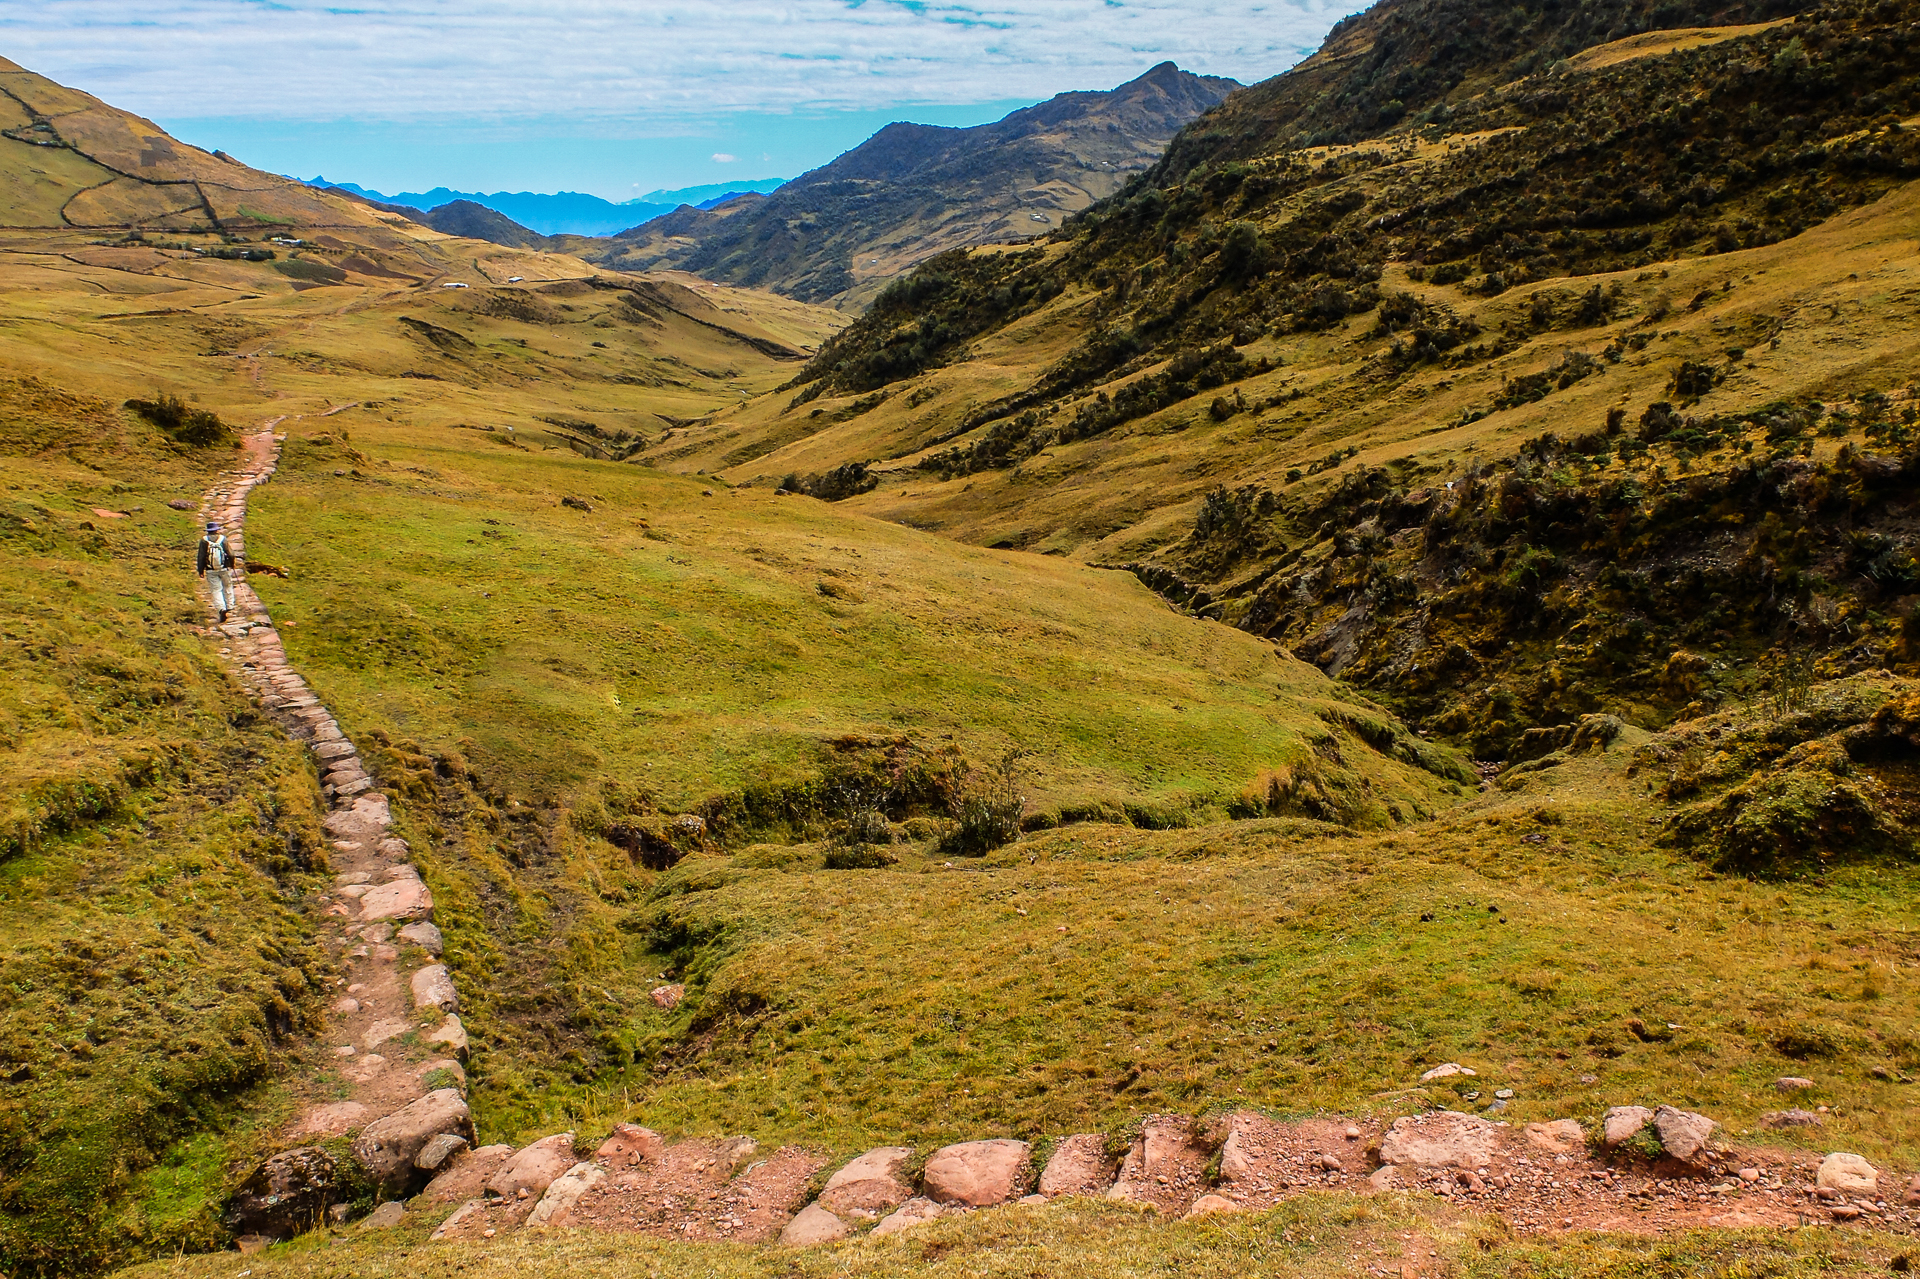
(840, 232)
(566, 212)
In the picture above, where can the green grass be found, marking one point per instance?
(153, 966)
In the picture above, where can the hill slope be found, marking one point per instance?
(1567, 296)
(914, 190)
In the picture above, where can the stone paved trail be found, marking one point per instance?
(393, 1030)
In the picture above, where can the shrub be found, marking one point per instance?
(860, 857)
(989, 810)
(192, 426)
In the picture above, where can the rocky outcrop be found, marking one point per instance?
(1447, 1139)
(869, 1185)
(814, 1225)
(556, 1205)
(1848, 1175)
(1079, 1165)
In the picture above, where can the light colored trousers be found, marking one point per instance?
(220, 582)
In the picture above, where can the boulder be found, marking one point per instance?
(1209, 1205)
(536, 1167)
(400, 899)
(912, 1213)
(289, 1194)
(975, 1173)
(436, 1152)
(1792, 1083)
(1561, 1137)
(433, 988)
(813, 1225)
(1622, 1123)
(424, 935)
(630, 1144)
(1447, 1139)
(1790, 1119)
(556, 1206)
(1079, 1165)
(1385, 1177)
(1851, 1175)
(668, 996)
(1683, 1134)
(870, 1184)
(386, 1147)
(1448, 1071)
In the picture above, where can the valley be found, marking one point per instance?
(1244, 735)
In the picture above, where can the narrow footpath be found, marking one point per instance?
(397, 1042)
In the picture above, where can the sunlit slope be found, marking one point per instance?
(692, 639)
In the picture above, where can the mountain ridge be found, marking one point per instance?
(564, 212)
(841, 231)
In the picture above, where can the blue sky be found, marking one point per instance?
(614, 97)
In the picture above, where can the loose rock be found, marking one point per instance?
(556, 1206)
(813, 1225)
(1448, 1071)
(869, 1184)
(386, 1147)
(289, 1194)
(668, 996)
(1790, 1119)
(1623, 1122)
(437, 1151)
(433, 988)
(1792, 1083)
(1208, 1205)
(401, 899)
(975, 1173)
(452, 1034)
(385, 1217)
(424, 935)
(1683, 1133)
(536, 1167)
(1849, 1175)
(1079, 1165)
(911, 1213)
(1562, 1136)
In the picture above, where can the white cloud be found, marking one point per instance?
(721, 157)
(650, 60)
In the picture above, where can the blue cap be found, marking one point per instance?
(212, 527)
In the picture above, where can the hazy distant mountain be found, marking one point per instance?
(914, 190)
(566, 212)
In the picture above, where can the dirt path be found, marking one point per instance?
(392, 1027)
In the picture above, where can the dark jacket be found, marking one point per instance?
(206, 555)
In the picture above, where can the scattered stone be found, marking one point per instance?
(437, 1151)
(180, 504)
(814, 1225)
(1385, 1177)
(1080, 1165)
(404, 870)
(1447, 1139)
(912, 1213)
(1208, 1205)
(346, 1005)
(1849, 1175)
(1448, 1071)
(1031, 1199)
(452, 1034)
(869, 1184)
(401, 899)
(385, 1217)
(352, 877)
(1912, 1198)
(975, 1173)
(386, 1147)
(1623, 1122)
(1561, 1137)
(556, 1206)
(1330, 1163)
(1790, 1119)
(433, 988)
(353, 892)
(1749, 1175)
(1683, 1133)
(536, 1167)
(424, 935)
(1352, 1133)
(630, 1144)
(288, 1194)
(668, 996)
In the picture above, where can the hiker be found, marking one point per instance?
(216, 565)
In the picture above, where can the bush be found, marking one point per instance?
(860, 857)
(192, 426)
(989, 811)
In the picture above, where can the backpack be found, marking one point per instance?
(217, 554)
